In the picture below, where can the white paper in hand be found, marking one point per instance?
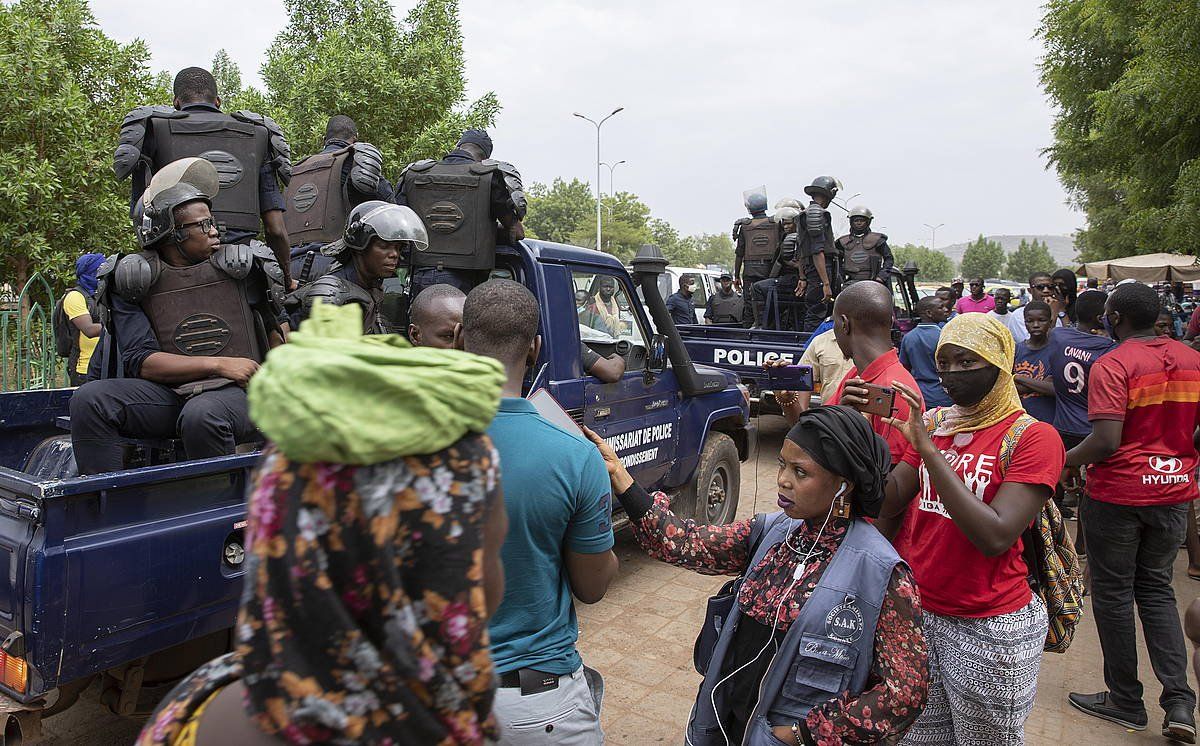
(548, 407)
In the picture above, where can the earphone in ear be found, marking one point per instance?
(841, 490)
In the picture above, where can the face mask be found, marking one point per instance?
(1108, 328)
(966, 388)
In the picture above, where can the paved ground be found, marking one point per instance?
(640, 637)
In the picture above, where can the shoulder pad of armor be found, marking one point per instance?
(264, 257)
(516, 189)
(484, 167)
(280, 152)
(235, 260)
(882, 236)
(133, 135)
(135, 274)
(508, 169)
(418, 166)
(743, 221)
(842, 240)
(814, 219)
(366, 167)
(335, 291)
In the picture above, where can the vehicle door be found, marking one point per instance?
(638, 415)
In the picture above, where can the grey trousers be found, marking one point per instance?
(566, 716)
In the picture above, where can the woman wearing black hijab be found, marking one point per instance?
(819, 640)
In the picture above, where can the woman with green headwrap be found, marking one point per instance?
(975, 476)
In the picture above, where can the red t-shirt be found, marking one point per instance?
(881, 372)
(955, 578)
(1153, 385)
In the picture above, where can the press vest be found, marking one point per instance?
(317, 199)
(237, 149)
(454, 202)
(828, 649)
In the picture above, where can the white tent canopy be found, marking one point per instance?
(1146, 268)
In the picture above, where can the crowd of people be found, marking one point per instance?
(415, 550)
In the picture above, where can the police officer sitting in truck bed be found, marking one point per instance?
(187, 322)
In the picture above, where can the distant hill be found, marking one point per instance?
(1062, 248)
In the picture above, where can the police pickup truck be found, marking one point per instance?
(131, 579)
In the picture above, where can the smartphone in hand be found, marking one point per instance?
(789, 378)
(881, 400)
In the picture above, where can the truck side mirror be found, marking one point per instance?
(656, 359)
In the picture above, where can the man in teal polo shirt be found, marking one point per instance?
(559, 504)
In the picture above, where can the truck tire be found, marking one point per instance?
(712, 497)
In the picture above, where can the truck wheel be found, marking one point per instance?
(712, 497)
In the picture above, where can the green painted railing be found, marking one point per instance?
(27, 356)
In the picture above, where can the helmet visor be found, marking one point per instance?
(397, 223)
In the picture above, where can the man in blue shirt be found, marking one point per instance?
(559, 543)
(917, 348)
(1073, 350)
(679, 304)
(1031, 366)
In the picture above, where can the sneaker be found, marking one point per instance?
(1097, 705)
(1180, 724)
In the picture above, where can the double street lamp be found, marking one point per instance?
(612, 190)
(599, 193)
(933, 229)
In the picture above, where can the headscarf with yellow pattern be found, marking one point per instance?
(993, 342)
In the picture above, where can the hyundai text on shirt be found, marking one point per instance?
(1152, 384)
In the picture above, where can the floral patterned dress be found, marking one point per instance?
(364, 616)
(897, 686)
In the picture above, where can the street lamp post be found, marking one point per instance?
(611, 167)
(933, 229)
(599, 193)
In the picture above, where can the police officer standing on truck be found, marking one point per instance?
(186, 323)
(865, 254)
(468, 202)
(756, 246)
(248, 150)
(379, 236)
(817, 253)
(324, 188)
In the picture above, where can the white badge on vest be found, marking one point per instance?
(845, 622)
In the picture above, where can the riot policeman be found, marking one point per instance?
(756, 247)
(469, 202)
(248, 149)
(816, 251)
(186, 323)
(323, 189)
(724, 307)
(864, 254)
(378, 238)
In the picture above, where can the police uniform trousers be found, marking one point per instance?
(816, 309)
(463, 279)
(210, 424)
(752, 275)
(784, 310)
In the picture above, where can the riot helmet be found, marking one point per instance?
(755, 200)
(824, 185)
(859, 211)
(174, 185)
(860, 220)
(787, 209)
(383, 220)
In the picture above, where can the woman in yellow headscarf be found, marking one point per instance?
(975, 476)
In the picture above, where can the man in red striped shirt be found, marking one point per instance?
(1144, 407)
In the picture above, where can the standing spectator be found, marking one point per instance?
(978, 301)
(1144, 405)
(372, 554)
(680, 304)
(829, 365)
(979, 478)
(559, 543)
(78, 307)
(1164, 325)
(956, 287)
(1073, 350)
(434, 315)
(916, 351)
(1066, 285)
(1011, 321)
(1031, 369)
(946, 295)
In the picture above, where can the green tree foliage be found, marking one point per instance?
(1027, 259)
(64, 89)
(556, 210)
(983, 258)
(625, 226)
(403, 83)
(1127, 135)
(932, 266)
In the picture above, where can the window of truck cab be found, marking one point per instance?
(604, 322)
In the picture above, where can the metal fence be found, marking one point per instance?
(28, 359)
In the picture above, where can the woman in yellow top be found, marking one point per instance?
(77, 307)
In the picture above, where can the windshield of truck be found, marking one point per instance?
(603, 307)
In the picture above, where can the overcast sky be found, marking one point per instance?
(931, 110)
